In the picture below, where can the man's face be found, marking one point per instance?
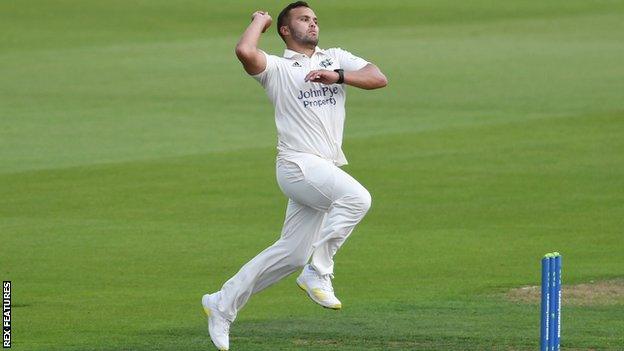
(303, 26)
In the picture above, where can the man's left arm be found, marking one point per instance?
(369, 77)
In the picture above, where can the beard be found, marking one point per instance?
(303, 38)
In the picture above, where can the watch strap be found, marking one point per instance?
(340, 72)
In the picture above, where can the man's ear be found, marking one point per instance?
(284, 30)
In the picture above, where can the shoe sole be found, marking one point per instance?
(305, 289)
(207, 312)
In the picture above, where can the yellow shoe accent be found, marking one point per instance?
(207, 311)
(319, 294)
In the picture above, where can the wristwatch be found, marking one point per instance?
(340, 72)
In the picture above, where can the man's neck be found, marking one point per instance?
(308, 51)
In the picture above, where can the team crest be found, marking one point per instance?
(326, 63)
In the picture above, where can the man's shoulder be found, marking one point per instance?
(334, 51)
(272, 56)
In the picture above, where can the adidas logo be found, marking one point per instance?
(296, 64)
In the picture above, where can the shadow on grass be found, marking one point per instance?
(308, 334)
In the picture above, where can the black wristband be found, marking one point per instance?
(340, 72)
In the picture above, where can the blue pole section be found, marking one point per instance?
(545, 301)
(557, 306)
(552, 297)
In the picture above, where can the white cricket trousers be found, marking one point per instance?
(325, 204)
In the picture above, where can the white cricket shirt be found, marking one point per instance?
(309, 116)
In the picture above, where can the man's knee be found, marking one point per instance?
(359, 202)
(365, 200)
(292, 258)
(295, 260)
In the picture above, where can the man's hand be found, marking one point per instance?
(322, 76)
(264, 17)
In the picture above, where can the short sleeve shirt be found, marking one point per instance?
(309, 116)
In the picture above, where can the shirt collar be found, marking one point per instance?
(293, 54)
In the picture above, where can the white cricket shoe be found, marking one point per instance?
(218, 326)
(318, 287)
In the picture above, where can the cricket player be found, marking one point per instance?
(307, 86)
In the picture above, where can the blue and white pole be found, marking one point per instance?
(545, 320)
(553, 301)
(557, 306)
(550, 323)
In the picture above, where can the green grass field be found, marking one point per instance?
(137, 173)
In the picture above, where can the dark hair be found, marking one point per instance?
(282, 18)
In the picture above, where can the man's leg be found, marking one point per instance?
(346, 202)
(350, 204)
(292, 251)
(304, 217)
(288, 254)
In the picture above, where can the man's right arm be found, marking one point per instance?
(253, 60)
